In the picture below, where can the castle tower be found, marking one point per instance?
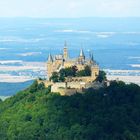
(91, 58)
(49, 66)
(81, 58)
(82, 54)
(65, 51)
(94, 71)
(50, 59)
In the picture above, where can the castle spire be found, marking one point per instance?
(91, 57)
(50, 59)
(81, 58)
(65, 51)
(82, 53)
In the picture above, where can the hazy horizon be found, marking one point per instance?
(72, 17)
(69, 8)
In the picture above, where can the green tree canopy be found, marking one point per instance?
(85, 72)
(101, 77)
(110, 113)
(54, 77)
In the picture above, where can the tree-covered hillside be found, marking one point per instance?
(111, 113)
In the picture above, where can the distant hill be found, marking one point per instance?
(111, 113)
(8, 89)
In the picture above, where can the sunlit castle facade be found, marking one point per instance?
(71, 85)
(57, 62)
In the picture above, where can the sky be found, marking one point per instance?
(69, 8)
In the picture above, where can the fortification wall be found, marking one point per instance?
(56, 86)
(76, 85)
(95, 85)
(94, 72)
(85, 79)
(68, 92)
(67, 88)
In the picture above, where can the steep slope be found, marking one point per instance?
(107, 114)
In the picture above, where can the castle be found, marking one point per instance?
(72, 84)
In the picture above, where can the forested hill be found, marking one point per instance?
(111, 113)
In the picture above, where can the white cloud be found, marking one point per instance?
(30, 54)
(16, 39)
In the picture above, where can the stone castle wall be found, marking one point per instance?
(68, 92)
(85, 79)
(56, 86)
(69, 87)
(71, 84)
(75, 85)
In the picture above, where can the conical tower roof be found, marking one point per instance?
(91, 56)
(82, 53)
(50, 59)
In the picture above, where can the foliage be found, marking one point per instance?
(60, 76)
(35, 86)
(85, 72)
(110, 113)
(101, 77)
(69, 72)
(54, 77)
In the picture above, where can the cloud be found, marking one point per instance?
(10, 61)
(105, 34)
(30, 54)
(73, 31)
(16, 39)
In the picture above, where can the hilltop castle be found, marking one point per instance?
(72, 84)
